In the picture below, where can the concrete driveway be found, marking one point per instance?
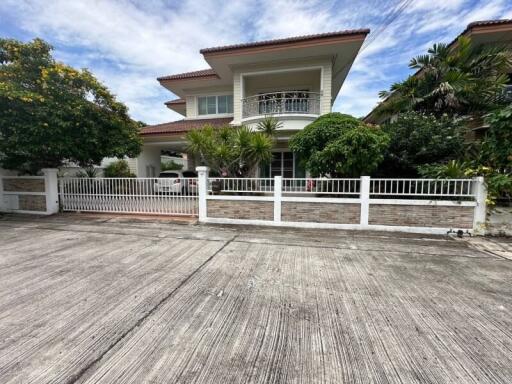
(98, 300)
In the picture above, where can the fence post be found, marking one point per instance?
(480, 215)
(2, 202)
(364, 196)
(51, 188)
(278, 193)
(202, 188)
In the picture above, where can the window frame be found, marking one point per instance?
(228, 104)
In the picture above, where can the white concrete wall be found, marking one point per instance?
(149, 157)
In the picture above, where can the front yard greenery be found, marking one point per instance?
(231, 151)
(51, 113)
(417, 139)
(118, 168)
(493, 160)
(339, 145)
(170, 165)
(464, 80)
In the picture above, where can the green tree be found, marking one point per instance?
(340, 145)
(118, 168)
(51, 113)
(269, 125)
(418, 139)
(463, 79)
(496, 148)
(231, 151)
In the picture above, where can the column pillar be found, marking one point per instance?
(51, 188)
(202, 190)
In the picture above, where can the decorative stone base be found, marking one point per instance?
(421, 216)
(321, 212)
(241, 209)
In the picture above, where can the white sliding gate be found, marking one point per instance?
(154, 196)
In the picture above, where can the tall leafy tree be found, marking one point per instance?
(51, 113)
(340, 145)
(417, 139)
(463, 79)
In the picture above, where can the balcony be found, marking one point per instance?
(281, 103)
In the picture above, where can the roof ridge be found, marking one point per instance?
(185, 75)
(286, 40)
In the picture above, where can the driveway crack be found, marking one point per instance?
(79, 375)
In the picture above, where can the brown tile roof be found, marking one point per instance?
(183, 126)
(175, 101)
(488, 22)
(286, 40)
(190, 75)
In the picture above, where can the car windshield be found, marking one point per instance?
(189, 174)
(167, 175)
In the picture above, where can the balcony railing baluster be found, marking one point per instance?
(281, 103)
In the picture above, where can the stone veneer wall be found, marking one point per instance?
(23, 185)
(32, 203)
(421, 215)
(27, 202)
(320, 212)
(241, 209)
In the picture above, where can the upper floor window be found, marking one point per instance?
(213, 105)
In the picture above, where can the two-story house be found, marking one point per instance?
(293, 79)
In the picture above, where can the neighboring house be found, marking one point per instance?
(489, 32)
(294, 79)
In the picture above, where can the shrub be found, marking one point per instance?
(171, 166)
(340, 145)
(417, 139)
(118, 168)
(496, 149)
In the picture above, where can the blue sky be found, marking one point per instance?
(127, 44)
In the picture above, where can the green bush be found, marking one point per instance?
(118, 168)
(340, 145)
(170, 166)
(496, 148)
(499, 183)
(417, 139)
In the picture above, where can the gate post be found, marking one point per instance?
(364, 196)
(51, 188)
(202, 189)
(278, 193)
(480, 214)
(2, 208)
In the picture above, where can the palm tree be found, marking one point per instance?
(464, 79)
(231, 151)
(269, 126)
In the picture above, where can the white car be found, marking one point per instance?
(176, 182)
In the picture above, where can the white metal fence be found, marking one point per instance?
(157, 196)
(456, 189)
(433, 189)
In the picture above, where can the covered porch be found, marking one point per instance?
(161, 139)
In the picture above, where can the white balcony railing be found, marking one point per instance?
(277, 103)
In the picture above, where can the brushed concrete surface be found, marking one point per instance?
(99, 300)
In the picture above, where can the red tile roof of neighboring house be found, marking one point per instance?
(489, 22)
(182, 126)
(190, 75)
(175, 101)
(286, 40)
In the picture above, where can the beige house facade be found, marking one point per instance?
(294, 80)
